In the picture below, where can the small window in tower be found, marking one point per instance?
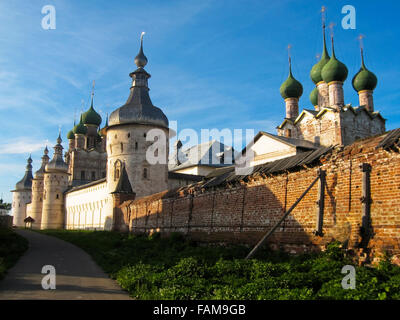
(93, 175)
(136, 145)
(122, 147)
(145, 173)
(117, 169)
(57, 197)
(82, 175)
(145, 135)
(129, 135)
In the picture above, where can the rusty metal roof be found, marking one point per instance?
(228, 175)
(391, 138)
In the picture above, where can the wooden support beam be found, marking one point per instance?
(320, 203)
(366, 198)
(269, 233)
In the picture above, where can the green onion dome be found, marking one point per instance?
(315, 72)
(291, 88)
(334, 70)
(91, 116)
(70, 135)
(314, 97)
(80, 128)
(364, 79)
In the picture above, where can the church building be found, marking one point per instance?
(103, 167)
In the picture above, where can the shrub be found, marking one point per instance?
(12, 246)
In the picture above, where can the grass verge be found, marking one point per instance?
(12, 246)
(176, 268)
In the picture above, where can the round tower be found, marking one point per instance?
(92, 120)
(55, 183)
(37, 192)
(291, 90)
(80, 132)
(364, 82)
(130, 136)
(334, 73)
(22, 196)
(316, 77)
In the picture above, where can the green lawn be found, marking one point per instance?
(12, 246)
(175, 268)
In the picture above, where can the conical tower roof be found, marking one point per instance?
(26, 182)
(139, 109)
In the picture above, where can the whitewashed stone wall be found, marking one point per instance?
(20, 200)
(89, 208)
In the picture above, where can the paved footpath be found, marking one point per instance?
(78, 277)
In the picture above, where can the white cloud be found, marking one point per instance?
(21, 145)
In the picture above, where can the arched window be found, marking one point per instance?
(145, 173)
(122, 147)
(117, 169)
(136, 145)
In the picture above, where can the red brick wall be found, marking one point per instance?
(244, 212)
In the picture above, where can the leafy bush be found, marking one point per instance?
(152, 267)
(12, 246)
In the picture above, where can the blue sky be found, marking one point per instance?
(214, 64)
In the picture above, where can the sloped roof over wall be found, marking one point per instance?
(223, 176)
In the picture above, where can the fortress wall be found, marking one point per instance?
(244, 212)
(88, 208)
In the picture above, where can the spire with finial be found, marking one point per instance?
(57, 163)
(45, 160)
(291, 88)
(138, 108)
(334, 70)
(364, 82)
(29, 165)
(91, 117)
(140, 59)
(315, 72)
